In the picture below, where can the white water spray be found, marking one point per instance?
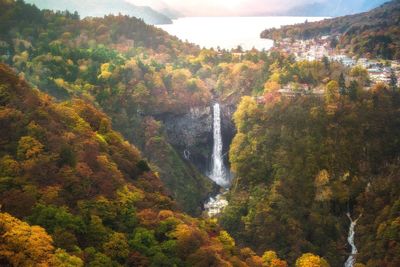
(216, 205)
(351, 260)
(218, 173)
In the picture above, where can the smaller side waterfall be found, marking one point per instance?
(351, 260)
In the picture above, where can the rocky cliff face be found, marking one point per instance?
(180, 148)
(228, 126)
(191, 134)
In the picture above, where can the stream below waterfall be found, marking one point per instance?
(219, 173)
(351, 260)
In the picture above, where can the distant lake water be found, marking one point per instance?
(229, 32)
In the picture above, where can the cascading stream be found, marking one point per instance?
(351, 260)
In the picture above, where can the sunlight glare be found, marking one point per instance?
(230, 3)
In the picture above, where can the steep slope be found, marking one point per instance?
(63, 167)
(25, 245)
(375, 32)
(302, 161)
(100, 8)
(117, 63)
(137, 74)
(67, 148)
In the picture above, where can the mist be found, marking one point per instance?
(225, 7)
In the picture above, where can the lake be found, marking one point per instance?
(229, 32)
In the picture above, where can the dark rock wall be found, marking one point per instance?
(191, 134)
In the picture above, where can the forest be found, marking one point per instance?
(90, 176)
(302, 164)
(134, 72)
(87, 197)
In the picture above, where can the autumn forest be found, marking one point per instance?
(106, 142)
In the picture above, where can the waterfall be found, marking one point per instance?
(218, 173)
(350, 239)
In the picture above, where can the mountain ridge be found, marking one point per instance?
(100, 8)
(332, 9)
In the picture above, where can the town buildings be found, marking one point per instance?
(379, 71)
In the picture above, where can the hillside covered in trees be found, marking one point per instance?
(93, 199)
(374, 34)
(117, 63)
(137, 74)
(302, 163)
(99, 8)
(312, 144)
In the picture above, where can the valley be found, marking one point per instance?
(122, 145)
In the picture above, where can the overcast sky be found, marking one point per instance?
(225, 7)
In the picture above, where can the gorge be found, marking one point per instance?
(119, 139)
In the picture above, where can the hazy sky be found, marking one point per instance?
(225, 7)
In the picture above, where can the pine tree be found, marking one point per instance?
(393, 81)
(342, 84)
(353, 90)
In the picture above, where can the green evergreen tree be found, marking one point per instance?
(393, 81)
(342, 84)
(353, 90)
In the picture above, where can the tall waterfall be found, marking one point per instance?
(352, 258)
(218, 173)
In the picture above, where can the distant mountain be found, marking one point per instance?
(375, 33)
(171, 13)
(333, 8)
(99, 8)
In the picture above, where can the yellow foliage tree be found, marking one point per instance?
(270, 259)
(268, 256)
(22, 244)
(25, 245)
(246, 109)
(332, 92)
(227, 241)
(29, 147)
(311, 260)
(105, 71)
(271, 86)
